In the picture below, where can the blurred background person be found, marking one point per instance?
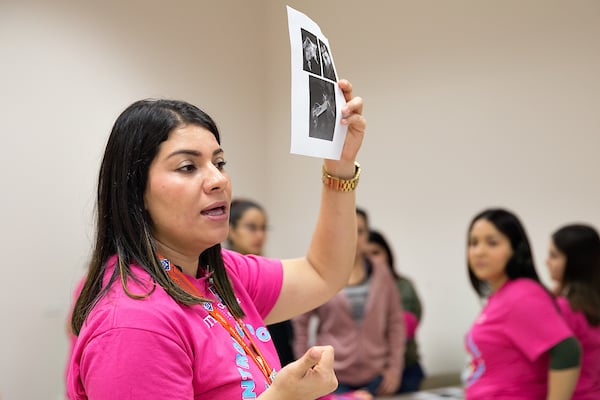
(520, 346)
(247, 235)
(380, 252)
(574, 265)
(364, 323)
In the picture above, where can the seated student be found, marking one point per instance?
(380, 252)
(574, 264)
(520, 346)
(247, 235)
(364, 324)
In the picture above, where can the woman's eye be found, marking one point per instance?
(187, 168)
(220, 164)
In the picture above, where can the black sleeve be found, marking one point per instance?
(566, 354)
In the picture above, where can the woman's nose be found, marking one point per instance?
(216, 179)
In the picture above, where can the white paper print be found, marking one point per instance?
(317, 100)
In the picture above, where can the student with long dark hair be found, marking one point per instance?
(520, 346)
(165, 313)
(574, 264)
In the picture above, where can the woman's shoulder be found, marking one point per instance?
(563, 304)
(382, 278)
(234, 260)
(575, 319)
(526, 286)
(406, 283)
(522, 291)
(251, 268)
(381, 272)
(140, 303)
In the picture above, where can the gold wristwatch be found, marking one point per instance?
(341, 184)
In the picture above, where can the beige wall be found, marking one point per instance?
(469, 104)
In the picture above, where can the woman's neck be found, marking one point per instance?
(561, 289)
(187, 262)
(497, 283)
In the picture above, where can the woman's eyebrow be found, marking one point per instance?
(193, 153)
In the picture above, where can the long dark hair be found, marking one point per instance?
(520, 264)
(581, 278)
(123, 226)
(377, 238)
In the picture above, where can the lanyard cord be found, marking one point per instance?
(251, 349)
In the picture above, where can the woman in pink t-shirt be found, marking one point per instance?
(164, 312)
(574, 264)
(520, 347)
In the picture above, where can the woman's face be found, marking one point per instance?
(556, 262)
(488, 253)
(377, 254)
(188, 192)
(249, 234)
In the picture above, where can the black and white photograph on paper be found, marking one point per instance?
(322, 108)
(327, 62)
(311, 53)
(316, 98)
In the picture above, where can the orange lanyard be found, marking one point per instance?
(237, 332)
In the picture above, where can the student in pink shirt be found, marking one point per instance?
(574, 264)
(520, 346)
(164, 312)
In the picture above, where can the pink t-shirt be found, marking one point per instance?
(155, 348)
(72, 338)
(588, 386)
(509, 343)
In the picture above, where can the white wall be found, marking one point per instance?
(66, 72)
(469, 104)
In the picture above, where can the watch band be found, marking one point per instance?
(340, 184)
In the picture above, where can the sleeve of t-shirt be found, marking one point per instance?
(133, 363)
(534, 323)
(261, 277)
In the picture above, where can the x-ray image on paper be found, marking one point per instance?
(327, 62)
(311, 53)
(317, 100)
(322, 108)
